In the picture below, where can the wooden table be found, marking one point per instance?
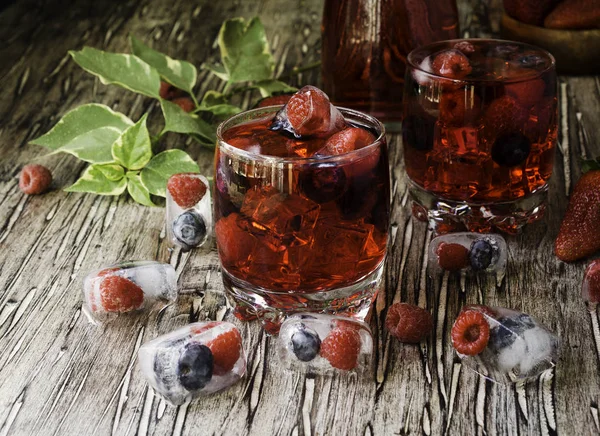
(60, 375)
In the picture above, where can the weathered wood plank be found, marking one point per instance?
(60, 375)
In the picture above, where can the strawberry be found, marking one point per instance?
(579, 234)
(452, 257)
(408, 323)
(529, 11)
(574, 14)
(591, 283)
(470, 333)
(186, 189)
(118, 294)
(226, 351)
(341, 348)
(274, 100)
(34, 179)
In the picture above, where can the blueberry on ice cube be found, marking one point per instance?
(195, 366)
(190, 229)
(481, 254)
(306, 344)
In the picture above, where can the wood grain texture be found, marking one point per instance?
(60, 375)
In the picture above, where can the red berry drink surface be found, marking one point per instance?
(118, 294)
(408, 323)
(186, 189)
(226, 351)
(470, 333)
(35, 179)
(341, 348)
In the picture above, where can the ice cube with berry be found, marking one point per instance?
(325, 344)
(188, 211)
(468, 251)
(128, 287)
(590, 290)
(195, 360)
(503, 345)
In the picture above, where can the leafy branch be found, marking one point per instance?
(119, 150)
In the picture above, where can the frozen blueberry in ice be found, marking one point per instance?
(323, 182)
(511, 149)
(481, 254)
(418, 132)
(190, 229)
(306, 344)
(195, 366)
(527, 60)
(508, 330)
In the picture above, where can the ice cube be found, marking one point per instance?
(518, 348)
(198, 359)
(128, 286)
(590, 291)
(480, 253)
(325, 344)
(189, 222)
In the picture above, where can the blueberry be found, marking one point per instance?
(511, 149)
(418, 131)
(195, 366)
(190, 229)
(505, 334)
(323, 182)
(528, 60)
(480, 254)
(306, 344)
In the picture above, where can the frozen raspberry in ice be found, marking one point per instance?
(325, 344)
(127, 287)
(465, 46)
(504, 345)
(459, 108)
(527, 93)
(590, 290)
(347, 140)
(234, 243)
(504, 115)
(451, 64)
(469, 252)
(309, 113)
(408, 323)
(188, 211)
(196, 360)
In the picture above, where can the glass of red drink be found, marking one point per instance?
(297, 229)
(479, 132)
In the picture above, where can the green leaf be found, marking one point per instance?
(179, 121)
(101, 179)
(180, 74)
(138, 191)
(245, 50)
(133, 148)
(86, 132)
(218, 70)
(125, 70)
(590, 165)
(216, 103)
(269, 87)
(162, 166)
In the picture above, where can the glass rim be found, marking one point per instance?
(238, 152)
(413, 65)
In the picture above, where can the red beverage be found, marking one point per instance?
(365, 44)
(299, 229)
(479, 130)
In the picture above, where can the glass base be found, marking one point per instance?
(445, 216)
(271, 307)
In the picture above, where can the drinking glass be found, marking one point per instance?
(299, 234)
(479, 133)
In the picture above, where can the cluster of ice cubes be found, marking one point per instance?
(519, 348)
(128, 286)
(180, 366)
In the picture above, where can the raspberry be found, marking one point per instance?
(459, 107)
(470, 333)
(274, 100)
(186, 189)
(204, 327)
(226, 351)
(408, 323)
(118, 294)
(347, 140)
(234, 244)
(185, 103)
(451, 64)
(527, 93)
(419, 212)
(592, 276)
(341, 348)
(465, 46)
(309, 111)
(452, 257)
(34, 179)
(504, 115)
(486, 310)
